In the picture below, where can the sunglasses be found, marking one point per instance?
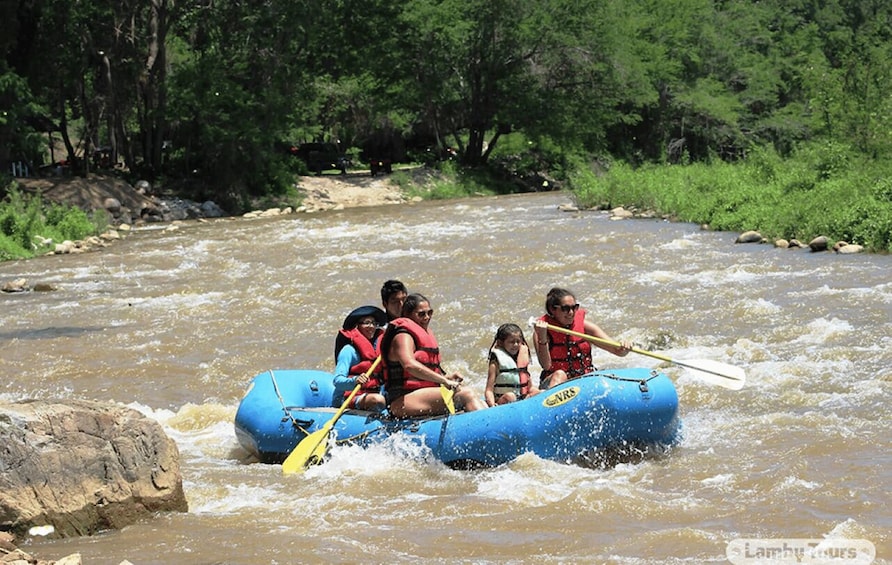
(424, 313)
(567, 308)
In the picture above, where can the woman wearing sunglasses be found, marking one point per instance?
(564, 357)
(356, 348)
(412, 372)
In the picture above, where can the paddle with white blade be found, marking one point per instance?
(712, 372)
(312, 449)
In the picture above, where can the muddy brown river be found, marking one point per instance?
(176, 324)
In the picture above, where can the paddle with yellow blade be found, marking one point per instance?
(312, 449)
(447, 394)
(712, 372)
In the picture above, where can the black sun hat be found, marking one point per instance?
(352, 319)
(363, 311)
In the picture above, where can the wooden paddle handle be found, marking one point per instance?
(607, 342)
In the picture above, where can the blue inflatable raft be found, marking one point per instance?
(619, 408)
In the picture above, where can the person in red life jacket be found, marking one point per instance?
(508, 378)
(564, 357)
(355, 351)
(412, 371)
(393, 294)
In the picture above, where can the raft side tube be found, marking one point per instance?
(267, 420)
(601, 410)
(597, 411)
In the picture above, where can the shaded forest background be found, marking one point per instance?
(206, 96)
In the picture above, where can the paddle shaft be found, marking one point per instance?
(330, 424)
(635, 350)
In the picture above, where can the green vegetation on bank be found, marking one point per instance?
(823, 188)
(449, 181)
(29, 226)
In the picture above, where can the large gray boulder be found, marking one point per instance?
(82, 467)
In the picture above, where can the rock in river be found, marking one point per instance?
(80, 467)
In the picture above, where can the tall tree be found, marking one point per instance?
(152, 81)
(237, 93)
(100, 64)
(548, 67)
(852, 89)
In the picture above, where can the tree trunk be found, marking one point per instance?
(112, 111)
(63, 126)
(152, 87)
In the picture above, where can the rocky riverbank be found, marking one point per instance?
(132, 206)
(817, 244)
(140, 203)
(129, 206)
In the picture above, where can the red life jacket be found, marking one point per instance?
(397, 382)
(367, 352)
(569, 353)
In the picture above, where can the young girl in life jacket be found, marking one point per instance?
(509, 360)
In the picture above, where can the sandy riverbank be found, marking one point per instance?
(322, 192)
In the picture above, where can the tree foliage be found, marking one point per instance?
(205, 94)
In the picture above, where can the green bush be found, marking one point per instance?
(20, 217)
(823, 188)
(455, 182)
(65, 222)
(24, 217)
(10, 250)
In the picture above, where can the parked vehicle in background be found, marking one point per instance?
(378, 165)
(381, 150)
(321, 157)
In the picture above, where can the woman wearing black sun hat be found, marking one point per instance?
(356, 348)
